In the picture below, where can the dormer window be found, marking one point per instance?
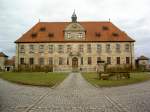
(51, 35)
(105, 28)
(115, 34)
(42, 29)
(34, 34)
(97, 34)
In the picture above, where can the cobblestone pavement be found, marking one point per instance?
(74, 94)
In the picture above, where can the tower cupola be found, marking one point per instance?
(74, 17)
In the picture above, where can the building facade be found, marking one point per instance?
(74, 45)
(3, 58)
(5, 63)
(143, 63)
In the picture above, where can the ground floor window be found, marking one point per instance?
(21, 60)
(98, 59)
(108, 60)
(81, 60)
(127, 60)
(89, 60)
(67, 61)
(41, 61)
(118, 60)
(31, 61)
(50, 61)
(60, 61)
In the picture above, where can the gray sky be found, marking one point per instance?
(131, 16)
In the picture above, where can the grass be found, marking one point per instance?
(135, 78)
(34, 78)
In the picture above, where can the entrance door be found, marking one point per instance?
(74, 62)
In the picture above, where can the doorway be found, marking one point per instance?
(74, 62)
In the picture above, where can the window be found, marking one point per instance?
(69, 48)
(98, 59)
(34, 34)
(68, 35)
(60, 48)
(99, 48)
(50, 60)
(41, 61)
(42, 29)
(50, 49)
(81, 49)
(89, 50)
(108, 60)
(81, 60)
(127, 48)
(31, 48)
(105, 28)
(89, 60)
(115, 34)
(22, 61)
(50, 34)
(60, 61)
(97, 34)
(31, 61)
(80, 35)
(118, 47)
(108, 49)
(118, 60)
(67, 61)
(41, 48)
(143, 62)
(22, 49)
(127, 60)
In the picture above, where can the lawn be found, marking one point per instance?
(135, 78)
(34, 78)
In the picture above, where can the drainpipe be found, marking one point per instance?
(131, 55)
(18, 56)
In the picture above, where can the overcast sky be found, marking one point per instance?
(131, 16)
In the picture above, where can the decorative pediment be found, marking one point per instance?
(74, 27)
(74, 31)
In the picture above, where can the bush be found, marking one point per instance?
(124, 68)
(34, 68)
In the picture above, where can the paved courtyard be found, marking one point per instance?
(74, 94)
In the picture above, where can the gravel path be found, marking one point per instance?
(74, 94)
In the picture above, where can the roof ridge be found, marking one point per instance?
(77, 22)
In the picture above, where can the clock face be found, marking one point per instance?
(74, 26)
